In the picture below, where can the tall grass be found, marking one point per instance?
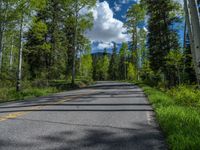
(185, 95)
(177, 112)
(10, 94)
(37, 88)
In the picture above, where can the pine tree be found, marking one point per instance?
(105, 65)
(37, 49)
(123, 61)
(113, 68)
(162, 38)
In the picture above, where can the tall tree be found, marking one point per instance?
(162, 37)
(76, 6)
(123, 61)
(193, 24)
(105, 65)
(135, 16)
(24, 8)
(113, 68)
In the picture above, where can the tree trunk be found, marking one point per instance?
(11, 56)
(193, 23)
(2, 28)
(184, 47)
(19, 72)
(1, 46)
(75, 45)
(1, 34)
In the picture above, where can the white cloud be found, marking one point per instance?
(106, 29)
(117, 7)
(179, 1)
(128, 1)
(104, 45)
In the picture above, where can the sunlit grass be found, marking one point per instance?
(10, 94)
(38, 88)
(178, 114)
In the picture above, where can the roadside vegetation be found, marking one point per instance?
(38, 88)
(44, 49)
(177, 111)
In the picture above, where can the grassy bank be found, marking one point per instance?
(37, 88)
(178, 113)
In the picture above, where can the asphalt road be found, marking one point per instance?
(106, 116)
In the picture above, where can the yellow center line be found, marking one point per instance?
(22, 113)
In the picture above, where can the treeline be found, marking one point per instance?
(44, 40)
(117, 65)
(164, 62)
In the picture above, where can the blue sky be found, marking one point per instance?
(109, 18)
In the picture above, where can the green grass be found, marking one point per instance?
(37, 89)
(10, 94)
(177, 112)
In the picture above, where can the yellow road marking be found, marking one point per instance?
(21, 113)
(18, 114)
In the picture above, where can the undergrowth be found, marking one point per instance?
(177, 112)
(37, 88)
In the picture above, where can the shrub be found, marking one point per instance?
(184, 95)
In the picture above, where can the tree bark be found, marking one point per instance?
(193, 23)
(2, 30)
(75, 44)
(19, 72)
(11, 56)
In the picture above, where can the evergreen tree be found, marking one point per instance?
(37, 49)
(162, 38)
(105, 65)
(123, 61)
(189, 74)
(113, 67)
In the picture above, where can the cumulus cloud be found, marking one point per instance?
(117, 7)
(106, 28)
(104, 45)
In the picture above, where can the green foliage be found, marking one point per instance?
(113, 67)
(86, 67)
(147, 73)
(122, 61)
(174, 62)
(132, 72)
(189, 76)
(185, 95)
(180, 123)
(135, 15)
(174, 58)
(105, 67)
(162, 38)
(10, 94)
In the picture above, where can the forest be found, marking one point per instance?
(43, 45)
(44, 49)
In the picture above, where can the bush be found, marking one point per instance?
(184, 95)
(10, 94)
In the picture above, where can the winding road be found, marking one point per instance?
(105, 116)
